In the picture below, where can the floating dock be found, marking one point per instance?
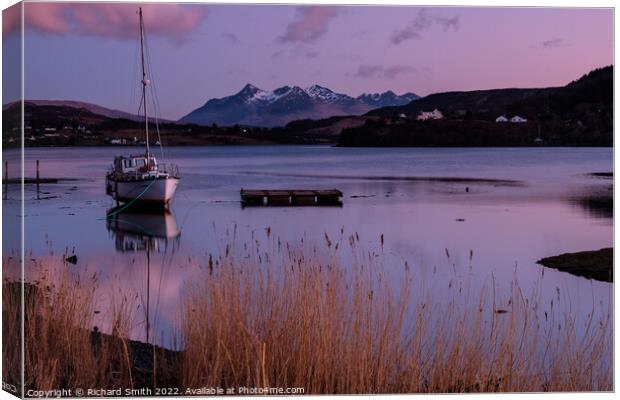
(283, 197)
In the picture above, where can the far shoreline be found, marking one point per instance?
(274, 144)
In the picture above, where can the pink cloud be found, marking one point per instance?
(311, 23)
(11, 19)
(377, 71)
(114, 20)
(424, 21)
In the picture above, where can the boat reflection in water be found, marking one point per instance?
(148, 232)
(143, 231)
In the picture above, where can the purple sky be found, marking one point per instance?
(88, 52)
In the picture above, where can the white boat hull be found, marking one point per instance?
(156, 191)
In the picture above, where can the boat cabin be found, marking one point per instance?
(134, 164)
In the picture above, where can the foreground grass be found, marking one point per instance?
(303, 320)
(61, 348)
(286, 317)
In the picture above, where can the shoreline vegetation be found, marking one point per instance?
(282, 315)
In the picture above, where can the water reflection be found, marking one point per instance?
(137, 230)
(144, 232)
(598, 206)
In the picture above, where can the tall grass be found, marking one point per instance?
(11, 335)
(282, 315)
(283, 318)
(63, 349)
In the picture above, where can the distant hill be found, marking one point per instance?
(39, 115)
(66, 125)
(94, 108)
(580, 114)
(256, 107)
(595, 87)
(589, 96)
(491, 102)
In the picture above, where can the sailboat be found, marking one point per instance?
(140, 177)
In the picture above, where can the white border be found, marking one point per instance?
(481, 3)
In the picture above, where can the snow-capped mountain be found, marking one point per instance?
(257, 107)
(388, 98)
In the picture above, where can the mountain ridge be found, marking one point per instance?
(254, 106)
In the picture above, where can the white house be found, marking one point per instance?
(517, 119)
(426, 115)
(501, 118)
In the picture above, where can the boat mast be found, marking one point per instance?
(145, 82)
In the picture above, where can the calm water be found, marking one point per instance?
(546, 204)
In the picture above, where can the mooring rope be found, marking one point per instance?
(124, 207)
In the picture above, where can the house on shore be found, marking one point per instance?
(119, 141)
(501, 118)
(517, 119)
(426, 115)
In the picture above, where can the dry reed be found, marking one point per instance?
(63, 347)
(282, 317)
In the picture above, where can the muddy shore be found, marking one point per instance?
(597, 264)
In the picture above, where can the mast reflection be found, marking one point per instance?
(144, 231)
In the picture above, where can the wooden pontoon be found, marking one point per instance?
(284, 197)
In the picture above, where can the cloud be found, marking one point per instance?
(397, 70)
(114, 20)
(453, 23)
(297, 51)
(11, 19)
(367, 71)
(231, 37)
(552, 43)
(277, 54)
(424, 21)
(309, 25)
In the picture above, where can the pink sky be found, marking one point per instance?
(87, 51)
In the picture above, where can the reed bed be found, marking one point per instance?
(292, 317)
(283, 315)
(11, 334)
(63, 349)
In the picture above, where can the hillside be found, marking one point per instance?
(64, 125)
(578, 114)
(479, 102)
(79, 105)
